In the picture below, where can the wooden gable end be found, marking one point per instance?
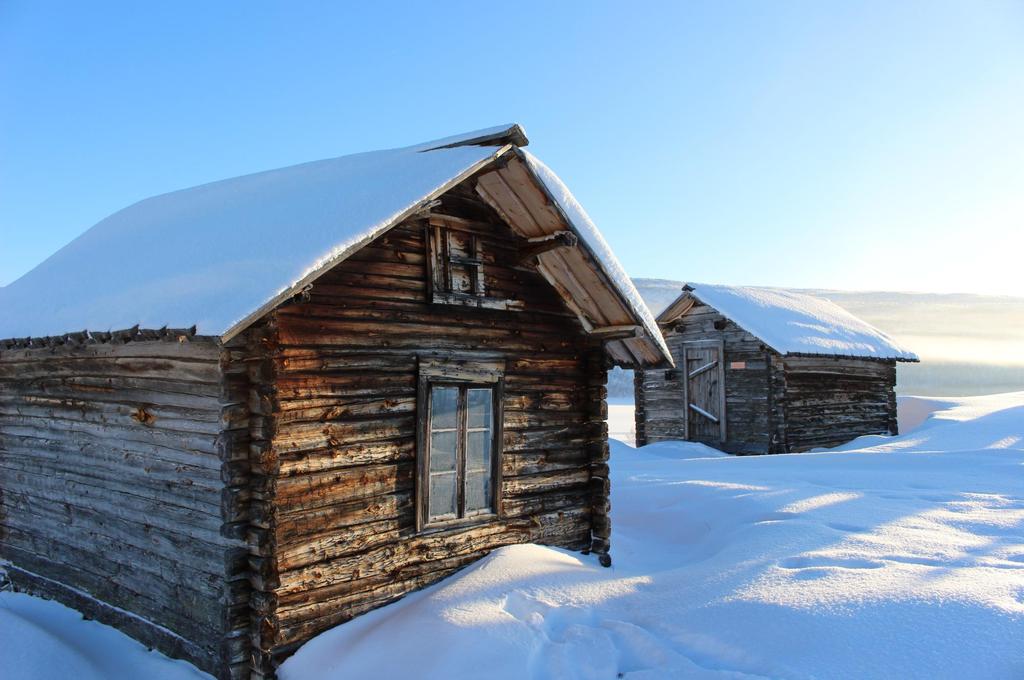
(336, 460)
(513, 192)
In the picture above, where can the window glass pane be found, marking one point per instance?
(478, 451)
(479, 404)
(478, 471)
(442, 495)
(452, 436)
(478, 493)
(444, 406)
(442, 451)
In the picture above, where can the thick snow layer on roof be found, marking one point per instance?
(795, 323)
(214, 254)
(587, 231)
(483, 136)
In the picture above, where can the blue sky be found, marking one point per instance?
(854, 145)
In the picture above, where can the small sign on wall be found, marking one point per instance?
(736, 365)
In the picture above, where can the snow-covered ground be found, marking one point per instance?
(895, 557)
(44, 640)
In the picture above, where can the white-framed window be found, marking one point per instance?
(458, 444)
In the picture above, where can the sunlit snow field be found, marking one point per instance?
(895, 557)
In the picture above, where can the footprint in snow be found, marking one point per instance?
(525, 608)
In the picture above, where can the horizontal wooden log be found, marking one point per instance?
(127, 414)
(75, 430)
(325, 410)
(294, 526)
(87, 448)
(368, 453)
(545, 481)
(63, 564)
(103, 462)
(200, 522)
(198, 348)
(139, 565)
(314, 436)
(183, 492)
(203, 371)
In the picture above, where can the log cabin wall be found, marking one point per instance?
(659, 393)
(659, 406)
(777, 404)
(831, 400)
(111, 464)
(334, 530)
(640, 407)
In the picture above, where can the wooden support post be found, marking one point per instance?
(616, 332)
(542, 244)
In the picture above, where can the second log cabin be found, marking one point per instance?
(766, 370)
(334, 384)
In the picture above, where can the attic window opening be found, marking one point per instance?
(456, 262)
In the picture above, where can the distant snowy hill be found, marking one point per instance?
(968, 344)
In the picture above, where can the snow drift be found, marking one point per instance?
(903, 557)
(895, 557)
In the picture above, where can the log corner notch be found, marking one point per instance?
(599, 455)
(87, 337)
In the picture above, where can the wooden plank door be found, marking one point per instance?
(704, 391)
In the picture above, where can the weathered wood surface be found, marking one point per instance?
(830, 401)
(87, 337)
(333, 453)
(659, 393)
(240, 396)
(112, 466)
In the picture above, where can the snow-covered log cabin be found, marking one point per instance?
(236, 415)
(763, 370)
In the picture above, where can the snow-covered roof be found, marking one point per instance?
(220, 255)
(792, 323)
